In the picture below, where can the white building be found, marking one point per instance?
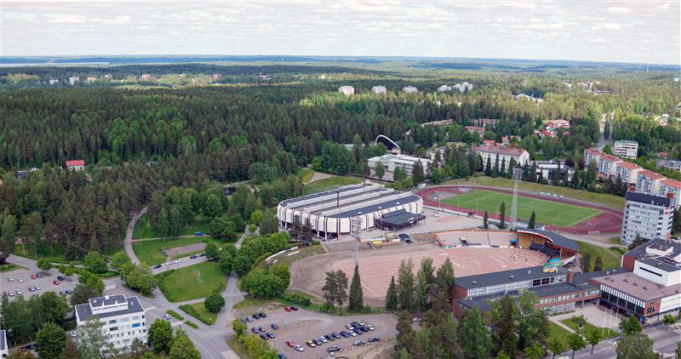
(410, 89)
(123, 319)
(546, 169)
(625, 148)
(54, 81)
(346, 90)
(379, 90)
(444, 88)
(74, 80)
(627, 172)
(4, 347)
(390, 162)
(672, 189)
(674, 165)
(505, 153)
(647, 216)
(463, 87)
(649, 182)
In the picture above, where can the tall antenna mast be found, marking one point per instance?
(517, 174)
(355, 223)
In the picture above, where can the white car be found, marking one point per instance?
(20, 280)
(37, 287)
(299, 348)
(168, 264)
(10, 293)
(352, 332)
(178, 261)
(10, 279)
(19, 292)
(349, 327)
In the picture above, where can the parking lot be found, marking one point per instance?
(300, 326)
(46, 283)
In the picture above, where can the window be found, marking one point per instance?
(112, 321)
(113, 329)
(136, 325)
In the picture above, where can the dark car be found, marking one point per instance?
(263, 315)
(333, 349)
(60, 278)
(294, 308)
(329, 337)
(28, 347)
(274, 326)
(262, 330)
(255, 330)
(198, 234)
(202, 255)
(374, 339)
(345, 334)
(193, 256)
(68, 291)
(359, 342)
(256, 316)
(264, 336)
(317, 341)
(157, 266)
(281, 356)
(40, 275)
(335, 335)
(270, 335)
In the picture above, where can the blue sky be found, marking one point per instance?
(593, 30)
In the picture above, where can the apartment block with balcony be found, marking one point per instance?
(123, 318)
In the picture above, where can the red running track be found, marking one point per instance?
(610, 221)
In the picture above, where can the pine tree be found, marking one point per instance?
(585, 262)
(391, 295)
(356, 295)
(417, 173)
(502, 169)
(598, 265)
(485, 219)
(502, 215)
(533, 172)
(488, 166)
(505, 326)
(532, 223)
(405, 285)
(475, 336)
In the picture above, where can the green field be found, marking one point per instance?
(608, 200)
(305, 174)
(610, 260)
(8, 267)
(330, 183)
(559, 214)
(56, 255)
(609, 333)
(193, 282)
(558, 332)
(143, 229)
(199, 311)
(151, 252)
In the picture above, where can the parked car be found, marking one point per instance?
(68, 292)
(168, 264)
(60, 278)
(323, 340)
(353, 333)
(264, 336)
(19, 292)
(255, 330)
(335, 335)
(10, 293)
(374, 339)
(202, 255)
(179, 261)
(299, 348)
(20, 280)
(249, 319)
(289, 343)
(73, 334)
(56, 282)
(198, 234)
(345, 334)
(371, 327)
(288, 309)
(166, 317)
(34, 276)
(274, 326)
(359, 342)
(39, 275)
(261, 329)
(270, 335)
(333, 349)
(31, 289)
(329, 337)
(10, 279)
(281, 356)
(193, 256)
(294, 308)
(262, 315)
(256, 316)
(349, 327)
(310, 344)
(38, 287)
(157, 266)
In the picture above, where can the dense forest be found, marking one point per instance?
(157, 145)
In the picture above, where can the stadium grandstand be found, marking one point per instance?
(330, 212)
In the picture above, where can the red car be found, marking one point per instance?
(288, 309)
(289, 344)
(34, 277)
(56, 282)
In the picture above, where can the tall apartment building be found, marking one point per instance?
(649, 182)
(627, 172)
(625, 148)
(346, 90)
(646, 215)
(490, 153)
(4, 348)
(123, 319)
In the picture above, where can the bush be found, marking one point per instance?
(214, 303)
(174, 314)
(189, 323)
(297, 299)
(95, 263)
(191, 311)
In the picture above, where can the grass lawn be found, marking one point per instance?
(151, 252)
(559, 214)
(305, 174)
(238, 348)
(174, 314)
(287, 261)
(199, 311)
(193, 282)
(143, 229)
(610, 260)
(57, 253)
(558, 332)
(330, 183)
(9, 267)
(608, 200)
(608, 333)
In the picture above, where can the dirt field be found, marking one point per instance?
(377, 266)
(171, 252)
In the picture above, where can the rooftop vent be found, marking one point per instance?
(475, 282)
(106, 297)
(644, 287)
(511, 276)
(626, 280)
(635, 284)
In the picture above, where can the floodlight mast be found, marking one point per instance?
(517, 174)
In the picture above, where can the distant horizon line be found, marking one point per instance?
(339, 57)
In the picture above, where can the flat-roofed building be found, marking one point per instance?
(4, 347)
(626, 149)
(123, 318)
(390, 162)
(646, 215)
(346, 90)
(628, 172)
(379, 90)
(674, 165)
(505, 153)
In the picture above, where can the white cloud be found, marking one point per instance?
(620, 10)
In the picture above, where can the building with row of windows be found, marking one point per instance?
(390, 162)
(647, 216)
(626, 149)
(505, 153)
(4, 347)
(123, 318)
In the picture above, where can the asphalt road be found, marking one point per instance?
(664, 342)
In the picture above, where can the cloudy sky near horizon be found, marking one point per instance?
(644, 31)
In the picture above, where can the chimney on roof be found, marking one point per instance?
(569, 276)
(106, 297)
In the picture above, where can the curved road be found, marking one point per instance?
(211, 340)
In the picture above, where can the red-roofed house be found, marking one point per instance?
(75, 165)
(547, 133)
(520, 156)
(649, 182)
(628, 172)
(473, 129)
(489, 142)
(592, 155)
(607, 164)
(554, 125)
(672, 189)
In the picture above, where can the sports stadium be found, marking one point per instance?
(330, 212)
